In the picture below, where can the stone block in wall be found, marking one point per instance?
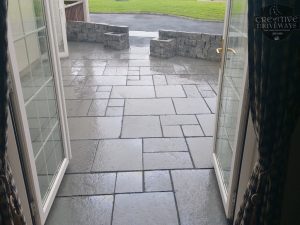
(116, 41)
(163, 48)
(74, 26)
(94, 32)
(99, 28)
(72, 36)
(82, 36)
(191, 44)
(91, 36)
(99, 37)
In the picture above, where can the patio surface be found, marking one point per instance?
(141, 134)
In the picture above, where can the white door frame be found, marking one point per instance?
(228, 194)
(40, 210)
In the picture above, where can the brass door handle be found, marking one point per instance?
(220, 50)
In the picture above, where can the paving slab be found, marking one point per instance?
(165, 145)
(172, 131)
(116, 102)
(133, 92)
(67, 80)
(83, 154)
(169, 91)
(117, 62)
(104, 88)
(185, 79)
(102, 95)
(143, 80)
(159, 80)
(129, 182)
(190, 106)
(157, 181)
(81, 210)
(149, 107)
(198, 197)
(139, 62)
(147, 71)
(116, 71)
(167, 160)
(91, 71)
(208, 94)
(178, 120)
(192, 130)
(98, 108)
(141, 126)
(212, 103)
(191, 91)
(105, 80)
(94, 127)
(79, 81)
(201, 149)
(207, 122)
(77, 107)
(114, 111)
(77, 92)
(145, 209)
(134, 72)
(87, 184)
(118, 155)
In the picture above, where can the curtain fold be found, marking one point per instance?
(274, 89)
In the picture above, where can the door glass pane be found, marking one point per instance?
(56, 6)
(32, 14)
(231, 88)
(15, 21)
(36, 76)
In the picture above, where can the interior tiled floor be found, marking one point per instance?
(141, 134)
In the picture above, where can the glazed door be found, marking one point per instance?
(232, 103)
(38, 101)
(59, 19)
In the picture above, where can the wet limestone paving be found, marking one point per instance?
(141, 136)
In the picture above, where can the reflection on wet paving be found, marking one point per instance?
(141, 134)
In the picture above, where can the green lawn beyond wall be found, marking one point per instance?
(199, 9)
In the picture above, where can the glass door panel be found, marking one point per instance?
(59, 17)
(231, 101)
(42, 115)
(36, 76)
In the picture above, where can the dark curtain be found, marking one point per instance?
(274, 86)
(10, 207)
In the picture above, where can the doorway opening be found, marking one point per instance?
(142, 128)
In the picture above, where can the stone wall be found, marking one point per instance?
(95, 32)
(195, 45)
(163, 48)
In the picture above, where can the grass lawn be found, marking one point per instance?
(199, 9)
